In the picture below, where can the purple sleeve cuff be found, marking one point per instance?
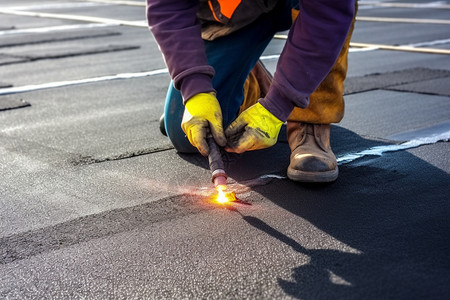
(280, 105)
(194, 80)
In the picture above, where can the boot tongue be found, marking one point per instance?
(309, 129)
(296, 134)
(322, 136)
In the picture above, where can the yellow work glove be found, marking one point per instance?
(202, 115)
(255, 128)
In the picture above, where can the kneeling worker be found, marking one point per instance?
(212, 50)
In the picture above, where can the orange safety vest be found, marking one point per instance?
(222, 17)
(223, 10)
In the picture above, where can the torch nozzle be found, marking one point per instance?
(219, 177)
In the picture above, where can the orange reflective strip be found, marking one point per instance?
(227, 7)
(212, 10)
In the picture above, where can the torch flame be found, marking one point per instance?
(222, 197)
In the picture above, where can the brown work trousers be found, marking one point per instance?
(326, 103)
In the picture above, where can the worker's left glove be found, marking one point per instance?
(203, 116)
(255, 128)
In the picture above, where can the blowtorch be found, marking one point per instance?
(216, 164)
(219, 178)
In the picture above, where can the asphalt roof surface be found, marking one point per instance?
(96, 203)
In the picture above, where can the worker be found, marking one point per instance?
(220, 88)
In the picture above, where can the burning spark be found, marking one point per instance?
(223, 196)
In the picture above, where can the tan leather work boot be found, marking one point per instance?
(311, 158)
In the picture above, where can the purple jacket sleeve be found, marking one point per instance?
(313, 45)
(178, 33)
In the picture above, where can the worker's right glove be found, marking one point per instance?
(202, 116)
(255, 128)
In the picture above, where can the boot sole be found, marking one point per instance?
(301, 176)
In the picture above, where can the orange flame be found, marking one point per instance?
(223, 196)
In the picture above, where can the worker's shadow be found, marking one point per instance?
(327, 270)
(385, 225)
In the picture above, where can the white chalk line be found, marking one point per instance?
(57, 84)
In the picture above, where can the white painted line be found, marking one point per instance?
(401, 48)
(403, 20)
(435, 4)
(379, 150)
(406, 48)
(35, 87)
(371, 47)
(430, 43)
(270, 57)
(120, 2)
(52, 29)
(367, 49)
(63, 5)
(75, 18)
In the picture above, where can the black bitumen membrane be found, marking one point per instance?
(438, 86)
(398, 80)
(96, 203)
(6, 104)
(55, 53)
(5, 85)
(30, 39)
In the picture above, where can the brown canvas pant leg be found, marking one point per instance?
(326, 103)
(256, 85)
